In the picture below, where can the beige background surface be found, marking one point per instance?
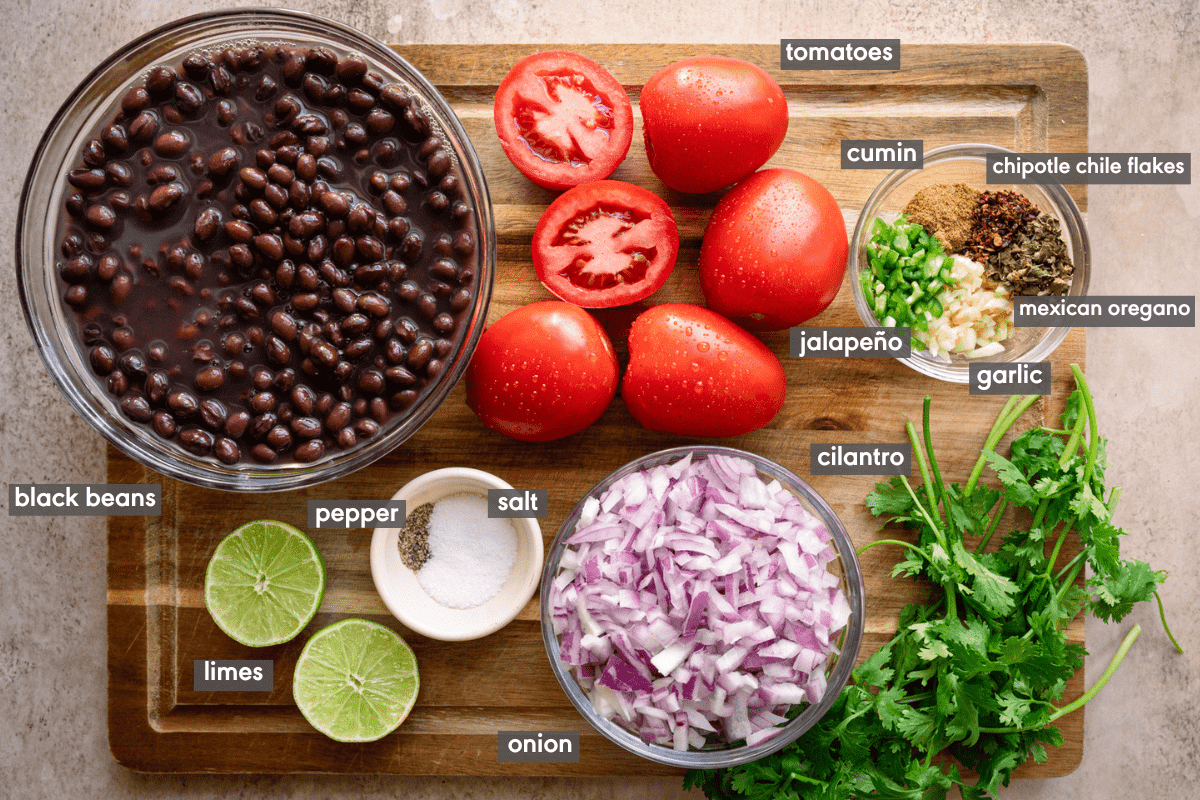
(1143, 731)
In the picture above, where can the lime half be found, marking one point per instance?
(356, 680)
(264, 583)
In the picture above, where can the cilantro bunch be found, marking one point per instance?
(977, 673)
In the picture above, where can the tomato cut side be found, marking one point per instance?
(563, 119)
(605, 244)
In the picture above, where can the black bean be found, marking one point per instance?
(278, 351)
(261, 423)
(196, 441)
(369, 248)
(119, 174)
(120, 288)
(394, 96)
(310, 451)
(243, 257)
(236, 424)
(460, 300)
(306, 427)
(284, 379)
(420, 354)
(137, 408)
(76, 296)
(407, 330)
(188, 97)
(264, 454)
(135, 100)
(338, 417)
(427, 305)
(439, 164)
(371, 381)
(164, 424)
(373, 304)
(358, 347)
(124, 338)
(261, 378)
(163, 198)
(210, 379)
(213, 413)
(172, 143)
(253, 178)
(324, 352)
(264, 215)
(100, 216)
(335, 204)
(183, 402)
(133, 365)
(269, 245)
(443, 323)
(227, 451)
(403, 399)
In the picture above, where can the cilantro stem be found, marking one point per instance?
(1086, 696)
(1012, 411)
(937, 533)
(1130, 638)
(923, 465)
(1062, 537)
(1072, 445)
(1114, 497)
(1162, 615)
(909, 545)
(1078, 556)
(933, 466)
(992, 525)
(1093, 437)
(947, 587)
(1070, 579)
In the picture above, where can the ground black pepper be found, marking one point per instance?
(414, 537)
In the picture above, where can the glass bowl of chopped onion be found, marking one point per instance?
(702, 607)
(940, 250)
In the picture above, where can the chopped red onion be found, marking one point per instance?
(694, 600)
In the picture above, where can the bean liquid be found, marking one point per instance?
(268, 253)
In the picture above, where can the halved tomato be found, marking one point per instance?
(605, 244)
(563, 119)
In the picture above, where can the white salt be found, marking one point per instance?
(470, 555)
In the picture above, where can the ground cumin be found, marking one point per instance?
(945, 210)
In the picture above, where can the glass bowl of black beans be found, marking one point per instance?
(255, 249)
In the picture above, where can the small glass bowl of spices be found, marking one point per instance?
(940, 250)
(451, 572)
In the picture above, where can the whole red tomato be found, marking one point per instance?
(544, 371)
(605, 244)
(695, 373)
(710, 121)
(774, 251)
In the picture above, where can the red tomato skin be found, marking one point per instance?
(542, 372)
(694, 373)
(560, 175)
(774, 251)
(709, 121)
(657, 231)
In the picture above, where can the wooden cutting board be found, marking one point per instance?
(1026, 97)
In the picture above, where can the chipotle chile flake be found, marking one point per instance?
(995, 222)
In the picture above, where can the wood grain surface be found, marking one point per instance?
(1026, 97)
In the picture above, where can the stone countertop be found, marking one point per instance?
(1141, 731)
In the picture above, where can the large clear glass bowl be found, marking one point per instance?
(967, 163)
(43, 196)
(714, 756)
